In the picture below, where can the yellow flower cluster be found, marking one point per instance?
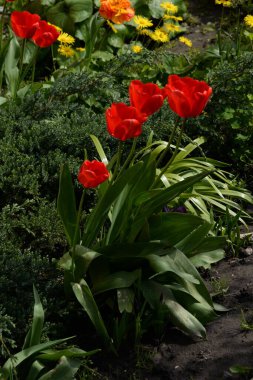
(65, 48)
(169, 7)
(160, 34)
(225, 3)
(249, 20)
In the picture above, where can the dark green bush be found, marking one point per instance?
(227, 123)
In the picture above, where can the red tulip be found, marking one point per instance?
(187, 97)
(24, 24)
(92, 173)
(45, 35)
(124, 122)
(146, 97)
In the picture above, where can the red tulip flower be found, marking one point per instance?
(124, 122)
(45, 35)
(92, 173)
(24, 24)
(187, 97)
(146, 97)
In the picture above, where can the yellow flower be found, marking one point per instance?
(171, 27)
(225, 3)
(159, 35)
(145, 32)
(249, 20)
(136, 48)
(170, 17)
(169, 7)
(80, 49)
(185, 41)
(65, 38)
(142, 22)
(66, 51)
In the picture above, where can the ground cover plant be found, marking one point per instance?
(164, 203)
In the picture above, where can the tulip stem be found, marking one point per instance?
(120, 149)
(166, 150)
(34, 63)
(130, 155)
(172, 157)
(76, 232)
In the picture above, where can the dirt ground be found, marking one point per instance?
(229, 340)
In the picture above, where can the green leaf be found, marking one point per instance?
(100, 149)
(11, 65)
(125, 299)
(156, 10)
(66, 206)
(205, 259)
(73, 352)
(57, 15)
(116, 280)
(100, 212)
(189, 148)
(172, 226)
(35, 369)
(79, 10)
(85, 298)
(23, 355)
(34, 335)
(160, 199)
(182, 318)
(66, 369)
(239, 369)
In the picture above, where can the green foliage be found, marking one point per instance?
(129, 253)
(227, 122)
(37, 360)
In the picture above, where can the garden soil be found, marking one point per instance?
(229, 340)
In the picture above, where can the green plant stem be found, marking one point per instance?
(130, 155)
(21, 61)
(34, 63)
(172, 157)
(76, 232)
(117, 165)
(219, 31)
(166, 150)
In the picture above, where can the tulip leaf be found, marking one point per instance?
(66, 369)
(34, 371)
(25, 354)
(66, 206)
(160, 199)
(34, 335)
(73, 352)
(125, 299)
(100, 212)
(85, 298)
(11, 65)
(183, 318)
(116, 280)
